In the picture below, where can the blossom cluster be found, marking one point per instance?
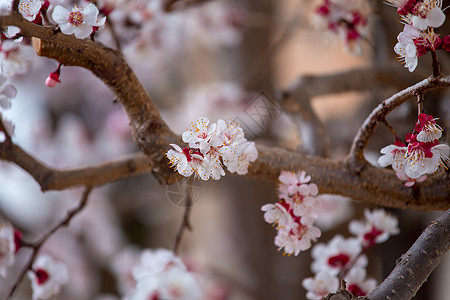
(344, 258)
(160, 274)
(47, 275)
(347, 19)
(418, 36)
(294, 213)
(422, 155)
(212, 146)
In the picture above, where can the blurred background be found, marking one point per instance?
(210, 59)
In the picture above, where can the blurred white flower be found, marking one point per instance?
(47, 277)
(337, 254)
(162, 275)
(7, 91)
(122, 266)
(15, 57)
(333, 210)
(377, 227)
(7, 247)
(357, 284)
(154, 262)
(321, 285)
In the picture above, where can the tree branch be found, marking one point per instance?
(374, 185)
(368, 184)
(382, 110)
(51, 179)
(414, 267)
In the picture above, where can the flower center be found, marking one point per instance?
(339, 261)
(76, 18)
(42, 276)
(356, 290)
(371, 236)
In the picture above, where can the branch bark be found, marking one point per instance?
(52, 179)
(365, 183)
(416, 265)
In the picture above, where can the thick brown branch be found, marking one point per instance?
(415, 266)
(382, 110)
(372, 185)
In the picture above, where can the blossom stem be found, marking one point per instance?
(3, 128)
(185, 224)
(436, 71)
(419, 104)
(391, 129)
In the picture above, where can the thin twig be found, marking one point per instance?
(36, 246)
(391, 129)
(185, 224)
(436, 71)
(5, 131)
(15, 6)
(419, 104)
(114, 35)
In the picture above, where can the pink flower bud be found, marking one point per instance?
(52, 79)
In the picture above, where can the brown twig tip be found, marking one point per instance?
(37, 45)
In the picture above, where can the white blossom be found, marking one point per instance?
(296, 238)
(212, 146)
(337, 254)
(29, 8)
(154, 262)
(394, 155)
(15, 58)
(79, 21)
(47, 277)
(7, 91)
(433, 17)
(333, 210)
(357, 284)
(321, 285)
(406, 49)
(377, 227)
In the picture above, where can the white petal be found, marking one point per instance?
(83, 31)
(67, 28)
(90, 13)
(435, 17)
(419, 23)
(412, 64)
(60, 15)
